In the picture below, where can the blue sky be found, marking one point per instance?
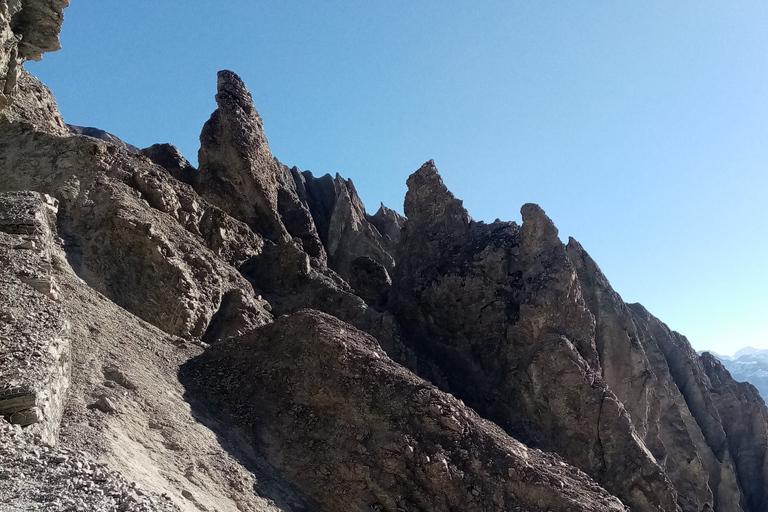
(641, 128)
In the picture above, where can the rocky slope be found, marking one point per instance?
(243, 336)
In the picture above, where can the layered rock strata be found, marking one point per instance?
(35, 348)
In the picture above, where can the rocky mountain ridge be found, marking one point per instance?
(747, 365)
(243, 336)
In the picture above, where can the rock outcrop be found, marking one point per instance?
(35, 106)
(748, 365)
(662, 386)
(244, 337)
(28, 28)
(341, 222)
(171, 159)
(131, 231)
(357, 432)
(35, 356)
(496, 316)
(97, 133)
(238, 174)
(745, 423)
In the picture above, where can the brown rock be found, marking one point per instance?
(495, 315)
(339, 414)
(238, 174)
(341, 222)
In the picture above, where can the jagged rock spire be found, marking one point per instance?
(238, 173)
(429, 205)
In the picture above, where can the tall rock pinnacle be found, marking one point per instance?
(238, 174)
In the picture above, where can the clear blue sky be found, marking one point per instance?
(640, 127)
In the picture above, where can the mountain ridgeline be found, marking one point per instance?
(243, 336)
(748, 365)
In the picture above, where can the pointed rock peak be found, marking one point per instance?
(580, 257)
(574, 244)
(232, 93)
(537, 219)
(389, 223)
(428, 169)
(383, 212)
(538, 232)
(429, 204)
(532, 212)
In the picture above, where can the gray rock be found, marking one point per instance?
(238, 174)
(27, 30)
(748, 365)
(100, 134)
(104, 404)
(390, 224)
(320, 395)
(370, 280)
(341, 222)
(159, 263)
(114, 374)
(495, 316)
(745, 422)
(170, 158)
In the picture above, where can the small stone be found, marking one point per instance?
(104, 404)
(27, 244)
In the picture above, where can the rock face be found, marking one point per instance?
(495, 314)
(745, 423)
(28, 28)
(35, 106)
(341, 222)
(35, 360)
(238, 174)
(357, 431)
(171, 159)
(244, 337)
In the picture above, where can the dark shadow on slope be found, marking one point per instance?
(270, 483)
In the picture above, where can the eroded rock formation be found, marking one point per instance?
(28, 28)
(243, 336)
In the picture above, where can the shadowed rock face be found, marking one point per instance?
(171, 159)
(745, 422)
(496, 316)
(390, 224)
(341, 222)
(359, 432)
